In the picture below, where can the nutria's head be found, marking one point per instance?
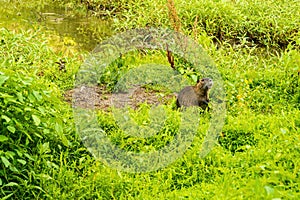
(205, 83)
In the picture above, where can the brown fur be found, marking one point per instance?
(197, 95)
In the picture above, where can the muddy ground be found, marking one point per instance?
(98, 97)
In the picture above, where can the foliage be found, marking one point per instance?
(28, 130)
(33, 133)
(27, 51)
(42, 156)
(116, 70)
(250, 23)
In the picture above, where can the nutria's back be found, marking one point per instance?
(195, 95)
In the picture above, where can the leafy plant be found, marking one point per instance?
(255, 45)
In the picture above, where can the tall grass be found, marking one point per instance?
(255, 45)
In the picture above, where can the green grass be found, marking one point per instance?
(248, 23)
(43, 157)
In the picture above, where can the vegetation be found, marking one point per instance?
(255, 45)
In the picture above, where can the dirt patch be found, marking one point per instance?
(97, 97)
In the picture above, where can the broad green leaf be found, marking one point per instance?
(9, 99)
(27, 109)
(46, 176)
(3, 138)
(7, 196)
(4, 95)
(42, 110)
(23, 162)
(36, 120)
(7, 119)
(20, 97)
(46, 131)
(44, 148)
(19, 152)
(31, 98)
(194, 77)
(5, 161)
(27, 81)
(11, 184)
(11, 154)
(11, 129)
(269, 190)
(37, 95)
(58, 127)
(29, 156)
(64, 140)
(13, 168)
(3, 79)
(283, 131)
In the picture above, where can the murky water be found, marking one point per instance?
(86, 31)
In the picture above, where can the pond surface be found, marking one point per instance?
(86, 31)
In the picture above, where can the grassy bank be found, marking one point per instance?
(269, 24)
(255, 46)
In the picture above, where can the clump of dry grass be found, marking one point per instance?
(173, 16)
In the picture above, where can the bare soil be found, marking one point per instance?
(98, 97)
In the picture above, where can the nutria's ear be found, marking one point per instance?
(199, 83)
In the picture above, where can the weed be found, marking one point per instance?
(255, 45)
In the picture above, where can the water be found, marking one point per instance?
(86, 31)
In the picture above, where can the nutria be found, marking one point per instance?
(195, 95)
(192, 95)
